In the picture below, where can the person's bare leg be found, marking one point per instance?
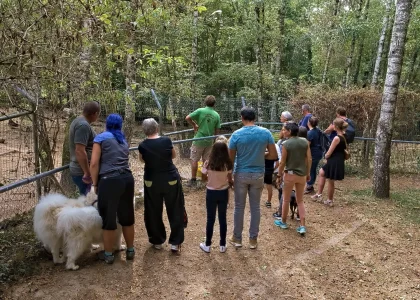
(128, 232)
(300, 188)
(269, 192)
(109, 240)
(194, 168)
(331, 188)
(287, 192)
(321, 181)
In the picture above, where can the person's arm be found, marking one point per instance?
(141, 158)
(192, 122)
(308, 163)
(282, 165)
(94, 164)
(82, 159)
(272, 152)
(230, 179)
(329, 129)
(334, 144)
(173, 153)
(232, 155)
(218, 126)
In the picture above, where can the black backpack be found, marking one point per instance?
(350, 131)
(324, 141)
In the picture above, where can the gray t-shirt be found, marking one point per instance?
(114, 156)
(80, 133)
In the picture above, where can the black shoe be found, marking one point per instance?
(109, 259)
(191, 183)
(277, 216)
(309, 190)
(129, 255)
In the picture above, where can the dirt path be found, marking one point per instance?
(352, 251)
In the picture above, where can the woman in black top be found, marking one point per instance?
(334, 168)
(161, 182)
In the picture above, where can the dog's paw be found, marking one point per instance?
(95, 246)
(123, 247)
(72, 267)
(60, 260)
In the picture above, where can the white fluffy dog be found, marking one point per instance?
(70, 226)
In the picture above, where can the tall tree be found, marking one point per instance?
(381, 44)
(259, 12)
(381, 178)
(330, 43)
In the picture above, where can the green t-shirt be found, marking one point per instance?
(296, 155)
(208, 120)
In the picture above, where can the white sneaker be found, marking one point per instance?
(222, 249)
(205, 248)
(158, 247)
(175, 248)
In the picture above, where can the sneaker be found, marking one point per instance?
(158, 246)
(222, 249)
(277, 216)
(176, 248)
(268, 204)
(192, 182)
(316, 197)
(309, 190)
(328, 202)
(301, 230)
(205, 248)
(109, 259)
(297, 218)
(129, 254)
(279, 223)
(235, 242)
(253, 243)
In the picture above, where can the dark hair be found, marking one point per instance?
(210, 100)
(313, 121)
(303, 132)
(219, 159)
(91, 108)
(341, 111)
(292, 127)
(114, 125)
(248, 113)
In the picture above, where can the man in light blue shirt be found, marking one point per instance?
(247, 149)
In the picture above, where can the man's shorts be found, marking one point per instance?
(198, 152)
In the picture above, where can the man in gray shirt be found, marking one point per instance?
(81, 144)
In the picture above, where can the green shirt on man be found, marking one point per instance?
(208, 120)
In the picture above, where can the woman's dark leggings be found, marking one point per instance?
(216, 200)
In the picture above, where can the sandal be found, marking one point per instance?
(316, 197)
(268, 204)
(328, 202)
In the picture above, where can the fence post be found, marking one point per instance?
(243, 101)
(160, 111)
(36, 149)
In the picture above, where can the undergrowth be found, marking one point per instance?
(408, 200)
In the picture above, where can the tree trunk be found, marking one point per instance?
(361, 46)
(310, 64)
(330, 44)
(411, 69)
(349, 61)
(66, 181)
(259, 11)
(381, 45)
(381, 178)
(194, 54)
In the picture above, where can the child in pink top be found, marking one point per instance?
(219, 171)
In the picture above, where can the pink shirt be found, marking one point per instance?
(217, 180)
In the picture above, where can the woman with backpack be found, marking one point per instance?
(314, 138)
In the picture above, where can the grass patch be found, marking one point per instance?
(20, 251)
(408, 200)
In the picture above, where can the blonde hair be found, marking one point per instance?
(340, 124)
(222, 139)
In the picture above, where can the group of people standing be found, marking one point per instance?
(102, 162)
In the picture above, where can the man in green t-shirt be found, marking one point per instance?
(206, 122)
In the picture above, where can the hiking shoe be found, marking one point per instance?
(176, 248)
(192, 183)
(157, 246)
(316, 197)
(205, 248)
(222, 249)
(301, 230)
(309, 190)
(279, 223)
(253, 243)
(268, 204)
(129, 254)
(297, 218)
(235, 242)
(277, 216)
(109, 259)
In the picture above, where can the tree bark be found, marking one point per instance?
(381, 177)
(66, 181)
(259, 11)
(361, 46)
(412, 66)
(194, 53)
(330, 44)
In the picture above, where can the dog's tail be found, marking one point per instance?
(84, 218)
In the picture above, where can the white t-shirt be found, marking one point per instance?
(279, 155)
